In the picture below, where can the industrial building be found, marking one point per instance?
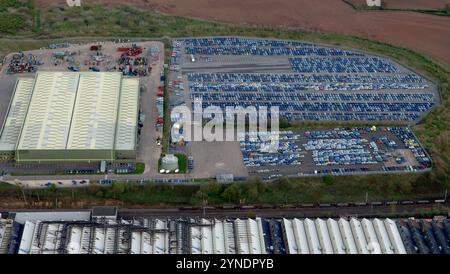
(146, 235)
(72, 117)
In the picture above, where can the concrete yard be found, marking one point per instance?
(214, 158)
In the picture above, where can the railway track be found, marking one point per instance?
(373, 209)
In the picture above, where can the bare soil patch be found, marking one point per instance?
(429, 34)
(408, 4)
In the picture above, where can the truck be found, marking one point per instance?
(190, 163)
(74, 68)
(103, 166)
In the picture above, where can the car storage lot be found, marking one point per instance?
(336, 151)
(308, 83)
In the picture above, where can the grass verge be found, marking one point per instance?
(182, 162)
(140, 168)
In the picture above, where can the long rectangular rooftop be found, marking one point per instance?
(77, 111)
(128, 113)
(16, 114)
(95, 112)
(48, 119)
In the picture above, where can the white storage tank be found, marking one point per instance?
(169, 162)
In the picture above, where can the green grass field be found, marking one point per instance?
(96, 23)
(140, 168)
(182, 162)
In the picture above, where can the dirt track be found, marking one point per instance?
(429, 34)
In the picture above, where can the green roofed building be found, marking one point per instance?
(72, 117)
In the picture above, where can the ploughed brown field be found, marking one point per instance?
(408, 4)
(425, 33)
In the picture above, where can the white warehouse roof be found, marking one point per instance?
(128, 113)
(16, 114)
(72, 111)
(48, 119)
(95, 111)
(213, 236)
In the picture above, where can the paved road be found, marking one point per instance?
(148, 151)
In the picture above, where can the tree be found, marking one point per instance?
(251, 189)
(404, 187)
(99, 194)
(93, 188)
(232, 193)
(284, 123)
(117, 188)
(284, 184)
(52, 188)
(30, 4)
(328, 180)
(11, 23)
(211, 189)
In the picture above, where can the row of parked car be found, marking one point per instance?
(410, 141)
(425, 236)
(333, 144)
(338, 147)
(323, 97)
(261, 47)
(336, 133)
(269, 51)
(343, 65)
(351, 116)
(240, 42)
(329, 157)
(350, 107)
(259, 149)
(296, 87)
(290, 93)
(304, 78)
(175, 59)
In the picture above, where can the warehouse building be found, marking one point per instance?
(72, 117)
(15, 117)
(101, 232)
